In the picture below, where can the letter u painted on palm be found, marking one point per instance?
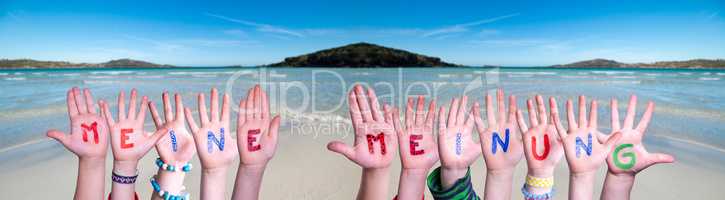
(380, 138)
(496, 140)
(580, 145)
(547, 147)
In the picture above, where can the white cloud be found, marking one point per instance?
(459, 28)
(259, 26)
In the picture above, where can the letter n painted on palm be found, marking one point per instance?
(496, 140)
(212, 139)
(632, 157)
(547, 147)
(414, 145)
(251, 139)
(93, 127)
(380, 138)
(580, 145)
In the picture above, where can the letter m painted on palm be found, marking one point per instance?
(580, 145)
(380, 138)
(496, 140)
(93, 127)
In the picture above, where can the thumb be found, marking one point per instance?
(274, 127)
(612, 140)
(57, 135)
(341, 148)
(156, 136)
(662, 158)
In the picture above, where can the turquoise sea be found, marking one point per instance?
(689, 116)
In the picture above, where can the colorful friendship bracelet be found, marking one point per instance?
(539, 182)
(165, 194)
(172, 168)
(123, 179)
(530, 196)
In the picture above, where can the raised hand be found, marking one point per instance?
(584, 152)
(129, 142)
(89, 132)
(217, 149)
(456, 146)
(542, 146)
(629, 155)
(418, 148)
(176, 147)
(256, 132)
(500, 141)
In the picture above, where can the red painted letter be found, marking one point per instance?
(124, 138)
(546, 147)
(93, 127)
(251, 139)
(414, 144)
(380, 138)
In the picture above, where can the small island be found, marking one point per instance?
(689, 64)
(362, 55)
(36, 64)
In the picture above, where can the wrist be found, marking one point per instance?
(92, 162)
(172, 182)
(126, 168)
(219, 171)
(541, 173)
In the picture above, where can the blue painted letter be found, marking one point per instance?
(496, 139)
(212, 139)
(580, 145)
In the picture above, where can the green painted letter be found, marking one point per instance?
(631, 155)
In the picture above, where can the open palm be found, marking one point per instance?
(176, 147)
(217, 149)
(629, 155)
(501, 135)
(129, 142)
(418, 148)
(89, 133)
(456, 146)
(374, 145)
(542, 146)
(256, 132)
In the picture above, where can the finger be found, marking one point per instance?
(201, 104)
(386, 110)
(70, 101)
(190, 120)
(82, 108)
(462, 110)
(167, 107)
(274, 128)
(225, 108)
(362, 102)
(90, 104)
(441, 120)
(646, 117)
(396, 121)
(106, 113)
(214, 105)
(631, 112)
(512, 109)
(469, 121)
(155, 137)
(657, 158)
(611, 141)
(593, 112)
(477, 117)
(179, 106)
(155, 115)
(522, 124)
(257, 114)
(132, 105)
(583, 112)
(58, 136)
(501, 105)
(375, 106)
(419, 112)
(122, 106)
(555, 117)
(409, 119)
(543, 117)
(249, 107)
(241, 116)
(601, 137)
(615, 115)
(141, 116)
(453, 113)
(355, 113)
(265, 104)
(490, 113)
(570, 115)
(431, 113)
(341, 148)
(532, 114)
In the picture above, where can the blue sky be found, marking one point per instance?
(213, 33)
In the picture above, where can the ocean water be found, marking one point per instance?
(689, 116)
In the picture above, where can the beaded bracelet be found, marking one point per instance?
(160, 163)
(123, 179)
(540, 182)
(165, 194)
(530, 196)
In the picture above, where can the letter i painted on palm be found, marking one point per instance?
(497, 141)
(211, 139)
(459, 143)
(580, 145)
(174, 145)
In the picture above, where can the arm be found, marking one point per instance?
(418, 150)
(88, 140)
(212, 138)
(256, 143)
(374, 141)
(455, 144)
(501, 144)
(629, 156)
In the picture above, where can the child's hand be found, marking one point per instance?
(256, 133)
(213, 138)
(629, 155)
(129, 142)
(89, 132)
(583, 151)
(374, 145)
(501, 144)
(455, 143)
(542, 145)
(177, 146)
(418, 148)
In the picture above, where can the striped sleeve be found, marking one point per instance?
(461, 190)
